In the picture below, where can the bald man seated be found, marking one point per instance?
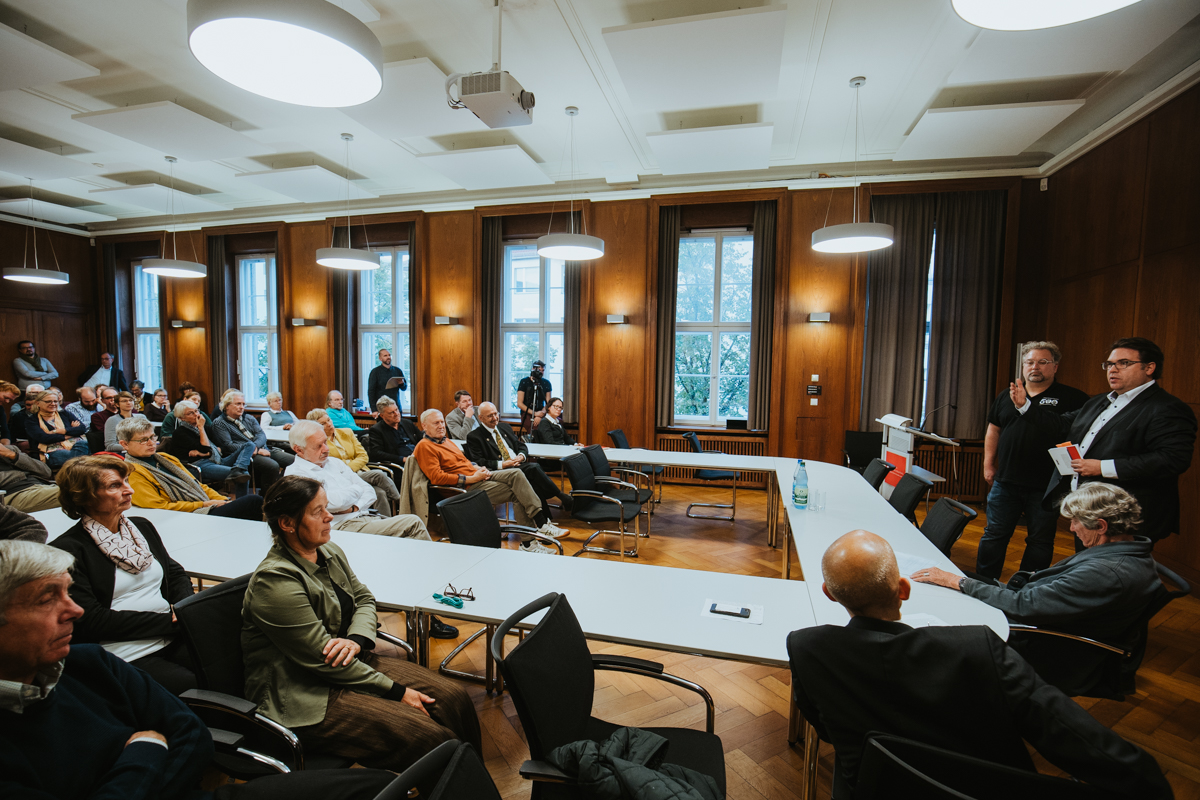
(956, 687)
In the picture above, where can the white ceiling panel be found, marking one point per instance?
(413, 103)
(24, 62)
(173, 130)
(53, 212)
(310, 184)
(487, 167)
(1113, 41)
(155, 197)
(29, 162)
(725, 149)
(980, 131)
(707, 61)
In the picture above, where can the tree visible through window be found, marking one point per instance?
(532, 326)
(384, 319)
(712, 327)
(258, 328)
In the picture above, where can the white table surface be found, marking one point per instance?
(177, 529)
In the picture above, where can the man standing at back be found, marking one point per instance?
(1016, 464)
(32, 368)
(955, 687)
(377, 381)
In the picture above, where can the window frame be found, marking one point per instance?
(543, 328)
(368, 354)
(274, 377)
(143, 332)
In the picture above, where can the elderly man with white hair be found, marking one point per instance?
(190, 443)
(234, 427)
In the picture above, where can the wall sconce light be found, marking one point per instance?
(819, 316)
(301, 322)
(617, 319)
(184, 323)
(445, 320)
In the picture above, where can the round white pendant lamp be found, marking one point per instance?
(853, 237)
(1029, 15)
(304, 52)
(348, 258)
(572, 245)
(174, 267)
(27, 274)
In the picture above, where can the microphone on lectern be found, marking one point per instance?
(931, 413)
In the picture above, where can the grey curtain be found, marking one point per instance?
(762, 312)
(492, 287)
(572, 331)
(218, 317)
(897, 282)
(967, 263)
(415, 308)
(668, 276)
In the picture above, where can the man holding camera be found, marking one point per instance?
(533, 395)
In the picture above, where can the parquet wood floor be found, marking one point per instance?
(752, 701)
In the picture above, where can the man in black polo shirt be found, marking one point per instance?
(533, 395)
(1017, 466)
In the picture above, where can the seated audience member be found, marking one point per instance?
(26, 480)
(77, 722)
(345, 447)
(125, 410)
(9, 392)
(550, 430)
(234, 426)
(350, 497)
(108, 403)
(445, 465)
(83, 408)
(335, 407)
(275, 416)
(1099, 592)
(955, 687)
(140, 399)
(392, 438)
(493, 445)
(125, 581)
(18, 526)
(193, 397)
(57, 436)
(160, 481)
(32, 368)
(157, 406)
(462, 419)
(18, 419)
(190, 444)
(105, 373)
(311, 666)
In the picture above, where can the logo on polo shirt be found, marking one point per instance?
(1048, 401)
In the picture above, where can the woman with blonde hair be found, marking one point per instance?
(58, 437)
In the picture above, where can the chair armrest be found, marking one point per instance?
(227, 741)
(397, 641)
(615, 482)
(606, 661)
(541, 771)
(595, 496)
(390, 470)
(451, 489)
(219, 700)
(653, 669)
(632, 472)
(1047, 632)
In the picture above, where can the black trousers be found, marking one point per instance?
(311, 784)
(247, 507)
(171, 667)
(540, 482)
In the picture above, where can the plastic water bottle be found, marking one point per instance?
(800, 486)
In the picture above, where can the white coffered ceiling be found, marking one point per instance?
(94, 94)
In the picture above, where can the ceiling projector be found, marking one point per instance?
(495, 97)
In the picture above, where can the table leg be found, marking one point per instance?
(412, 633)
(772, 508)
(786, 550)
(423, 638)
(811, 745)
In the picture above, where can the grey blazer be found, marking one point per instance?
(458, 426)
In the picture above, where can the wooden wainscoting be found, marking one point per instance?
(962, 467)
(744, 445)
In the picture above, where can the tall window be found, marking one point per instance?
(258, 327)
(384, 319)
(712, 327)
(148, 358)
(532, 327)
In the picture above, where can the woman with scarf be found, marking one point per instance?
(124, 579)
(58, 436)
(161, 481)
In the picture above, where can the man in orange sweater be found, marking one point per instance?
(445, 465)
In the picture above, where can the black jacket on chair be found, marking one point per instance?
(482, 449)
(94, 575)
(1151, 441)
(385, 443)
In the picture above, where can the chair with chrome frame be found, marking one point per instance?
(655, 471)
(711, 475)
(211, 624)
(471, 520)
(876, 471)
(590, 505)
(550, 676)
(603, 471)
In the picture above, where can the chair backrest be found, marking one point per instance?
(691, 437)
(876, 471)
(862, 446)
(211, 622)
(457, 770)
(908, 493)
(549, 675)
(945, 523)
(471, 519)
(599, 461)
(579, 472)
(896, 767)
(1128, 667)
(618, 439)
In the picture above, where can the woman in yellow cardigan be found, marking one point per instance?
(345, 446)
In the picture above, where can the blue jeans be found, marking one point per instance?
(1005, 505)
(240, 458)
(59, 457)
(211, 471)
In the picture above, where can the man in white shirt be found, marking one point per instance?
(83, 408)
(106, 373)
(350, 497)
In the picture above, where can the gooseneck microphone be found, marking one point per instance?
(939, 408)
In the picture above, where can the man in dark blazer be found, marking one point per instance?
(955, 687)
(483, 447)
(1137, 436)
(392, 438)
(106, 372)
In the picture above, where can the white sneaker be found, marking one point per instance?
(553, 531)
(534, 546)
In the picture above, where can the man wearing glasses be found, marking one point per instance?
(1016, 464)
(1137, 436)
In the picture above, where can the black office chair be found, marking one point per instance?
(603, 471)
(893, 767)
(450, 771)
(470, 520)
(876, 471)
(711, 475)
(655, 471)
(590, 505)
(1048, 649)
(550, 675)
(907, 495)
(859, 447)
(945, 523)
(211, 625)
